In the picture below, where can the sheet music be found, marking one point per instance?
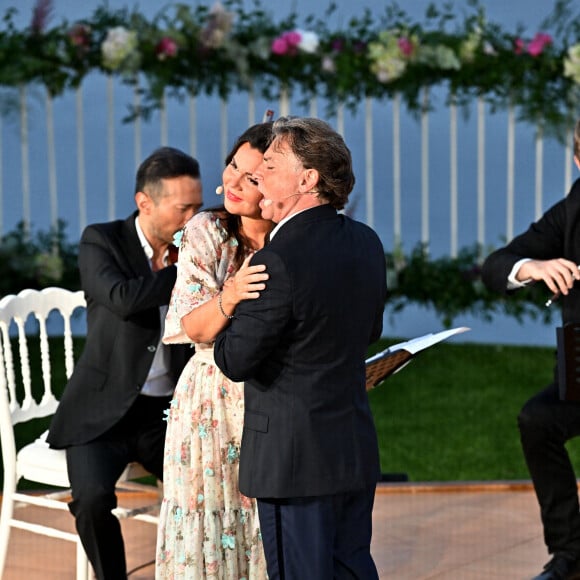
(421, 342)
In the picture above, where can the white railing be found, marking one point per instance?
(448, 181)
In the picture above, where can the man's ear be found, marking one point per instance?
(309, 180)
(577, 161)
(144, 203)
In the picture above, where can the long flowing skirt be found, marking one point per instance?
(208, 529)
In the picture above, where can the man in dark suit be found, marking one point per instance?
(111, 411)
(309, 450)
(549, 252)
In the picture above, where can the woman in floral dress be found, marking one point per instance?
(208, 529)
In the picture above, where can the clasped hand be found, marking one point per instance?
(246, 284)
(558, 274)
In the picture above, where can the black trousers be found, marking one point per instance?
(326, 537)
(94, 469)
(546, 424)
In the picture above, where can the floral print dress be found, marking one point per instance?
(207, 529)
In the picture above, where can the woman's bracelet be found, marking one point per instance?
(220, 306)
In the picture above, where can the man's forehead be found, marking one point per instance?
(279, 147)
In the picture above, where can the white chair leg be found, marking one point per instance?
(83, 565)
(5, 516)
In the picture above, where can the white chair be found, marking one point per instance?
(21, 401)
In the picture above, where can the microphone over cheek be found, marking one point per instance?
(219, 190)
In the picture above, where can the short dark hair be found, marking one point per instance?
(164, 163)
(320, 147)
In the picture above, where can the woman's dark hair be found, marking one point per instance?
(258, 137)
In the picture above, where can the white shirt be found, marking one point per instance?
(286, 219)
(513, 283)
(159, 382)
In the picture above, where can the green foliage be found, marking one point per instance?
(452, 287)
(448, 416)
(189, 50)
(37, 260)
(451, 415)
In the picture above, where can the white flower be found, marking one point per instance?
(119, 47)
(489, 49)
(308, 41)
(387, 61)
(470, 45)
(572, 63)
(328, 64)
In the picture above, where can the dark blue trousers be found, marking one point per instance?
(319, 538)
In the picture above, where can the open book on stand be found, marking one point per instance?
(395, 357)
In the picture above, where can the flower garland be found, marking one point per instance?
(219, 49)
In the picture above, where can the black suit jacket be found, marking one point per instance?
(301, 348)
(555, 235)
(123, 331)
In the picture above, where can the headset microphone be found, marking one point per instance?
(269, 202)
(219, 190)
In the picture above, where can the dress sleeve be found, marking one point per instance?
(203, 266)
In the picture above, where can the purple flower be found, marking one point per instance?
(40, 16)
(337, 45)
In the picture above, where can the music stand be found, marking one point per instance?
(394, 358)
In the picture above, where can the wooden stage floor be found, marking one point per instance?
(421, 532)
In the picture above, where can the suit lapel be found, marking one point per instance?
(132, 247)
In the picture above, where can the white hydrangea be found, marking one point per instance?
(119, 46)
(572, 63)
(309, 41)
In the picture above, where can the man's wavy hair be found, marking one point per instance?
(320, 147)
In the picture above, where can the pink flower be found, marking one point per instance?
(519, 46)
(80, 36)
(279, 46)
(406, 46)
(287, 43)
(166, 48)
(537, 44)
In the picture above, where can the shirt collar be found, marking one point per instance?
(144, 242)
(283, 221)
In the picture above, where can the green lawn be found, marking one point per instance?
(451, 414)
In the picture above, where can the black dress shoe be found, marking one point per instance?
(560, 567)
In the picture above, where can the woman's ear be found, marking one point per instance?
(577, 161)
